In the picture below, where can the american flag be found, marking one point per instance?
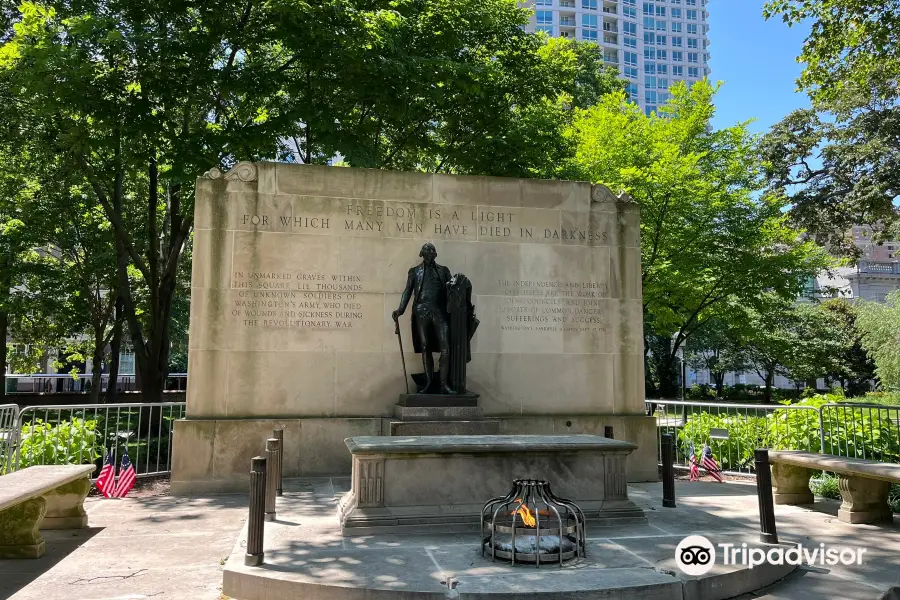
(695, 470)
(106, 481)
(709, 463)
(126, 478)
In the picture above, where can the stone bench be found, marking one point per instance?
(440, 483)
(864, 484)
(41, 497)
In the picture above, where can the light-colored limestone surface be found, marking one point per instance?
(864, 484)
(297, 268)
(427, 483)
(40, 497)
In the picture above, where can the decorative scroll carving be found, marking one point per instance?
(601, 193)
(243, 171)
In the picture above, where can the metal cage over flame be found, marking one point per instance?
(532, 525)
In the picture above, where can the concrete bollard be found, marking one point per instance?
(256, 520)
(608, 431)
(668, 470)
(271, 465)
(279, 435)
(767, 532)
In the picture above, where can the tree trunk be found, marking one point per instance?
(667, 371)
(115, 350)
(770, 381)
(719, 378)
(97, 367)
(4, 330)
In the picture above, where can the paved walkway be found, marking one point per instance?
(173, 548)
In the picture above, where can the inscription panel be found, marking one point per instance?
(293, 292)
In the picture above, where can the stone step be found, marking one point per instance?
(438, 413)
(430, 400)
(404, 428)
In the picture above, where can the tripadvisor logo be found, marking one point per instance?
(695, 555)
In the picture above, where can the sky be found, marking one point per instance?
(756, 61)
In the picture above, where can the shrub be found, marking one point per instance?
(72, 442)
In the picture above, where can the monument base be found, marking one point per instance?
(212, 456)
(440, 483)
(467, 399)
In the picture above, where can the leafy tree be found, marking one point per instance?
(854, 367)
(715, 348)
(840, 159)
(880, 327)
(140, 98)
(710, 241)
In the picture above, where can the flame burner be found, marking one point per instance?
(532, 525)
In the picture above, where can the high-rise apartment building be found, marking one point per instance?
(653, 44)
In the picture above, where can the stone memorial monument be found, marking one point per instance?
(297, 271)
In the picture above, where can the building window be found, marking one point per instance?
(660, 40)
(630, 12)
(692, 57)
(693, 72)
(676, 41)
(631, 72)
(632, 90)
(662, 69)
(691, 15)
(677, 56)
(649, 23)
(661, 55)
(650, 110)
(589, 22)
(545, 17)
(649, 53)
(589, 4)
(650, 96)
(676, 27)
(630, 42)
(631, 58)
(589, 35)
(650, 81)
(662, 83)
(691, 2)
(543, 3)
(676, 13)
(660, 11)
(629, 28)
(677, 71)
(661, 25)
(548, 29)
(692, 43)
(648, 8)
(649, 68)
(649, 38)
(692, 28)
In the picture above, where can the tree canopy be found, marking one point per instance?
(710, 239)
(840, 160)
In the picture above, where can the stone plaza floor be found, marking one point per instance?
(174, 548)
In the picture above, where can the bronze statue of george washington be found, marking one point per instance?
(428, 284)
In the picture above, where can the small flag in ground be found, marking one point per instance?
(709, 463)
(126, 478)
(695, 470)
(106, 481)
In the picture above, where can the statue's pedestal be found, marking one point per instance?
(441, 414)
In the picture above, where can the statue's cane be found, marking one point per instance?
(402, 356)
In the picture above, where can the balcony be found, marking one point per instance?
(566, 4)
(610, 27)
(611, 39)
(610, 11)
(566, 22)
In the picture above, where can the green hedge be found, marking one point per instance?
(871, 434)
